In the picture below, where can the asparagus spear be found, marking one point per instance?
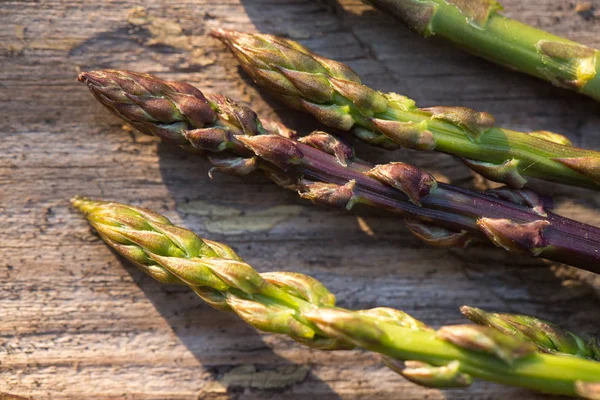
(476, 26)
(302, 308)
(323, 168)
(333, 94)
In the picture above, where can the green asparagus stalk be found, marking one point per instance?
(476, 26)
(547, 336)
(324, 169)
(333, 94)
(302, 308)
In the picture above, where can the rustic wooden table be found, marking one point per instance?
(78, 322)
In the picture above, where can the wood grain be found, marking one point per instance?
(76, 321)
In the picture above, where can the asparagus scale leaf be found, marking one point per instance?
(334, 94)
(302, 308)
(478, 27)
(323, 169)
(549, 337)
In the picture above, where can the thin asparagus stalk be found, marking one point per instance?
(333, 94)
(301, 307)
(476, 26)
(323, 168)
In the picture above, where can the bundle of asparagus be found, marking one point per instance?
(302, 308)
(476, 26)
(323, 168)
(333, 93)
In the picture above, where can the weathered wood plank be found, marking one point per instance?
(78, 322)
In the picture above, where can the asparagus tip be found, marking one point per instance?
(78, 201)
(221, 34)
(90, 77)
(471, 313)
(83, 204)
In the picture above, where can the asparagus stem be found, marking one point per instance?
(476, 26)
(301, 307)
(323, 168)
(333, 93)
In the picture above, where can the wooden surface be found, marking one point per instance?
(78, 322)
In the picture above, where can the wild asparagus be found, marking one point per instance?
(476, 26)
(301, 307)
(333, 94)
(323, 168)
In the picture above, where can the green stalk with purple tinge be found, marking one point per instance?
(302, 308)
(334, 94)
(324, 169)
